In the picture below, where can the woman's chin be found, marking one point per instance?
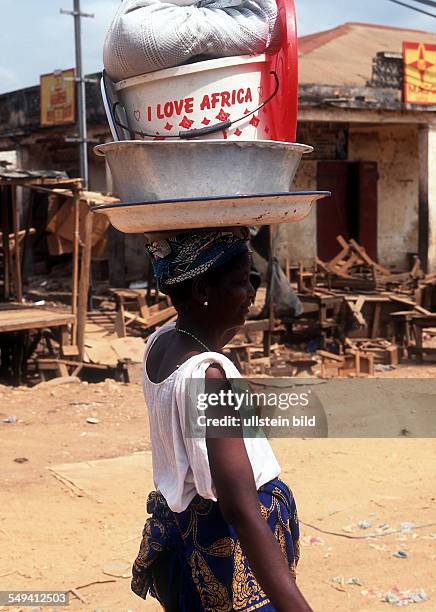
(241, 322)
(234, 330)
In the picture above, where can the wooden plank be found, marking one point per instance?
(75, 279)
(354, 283)
(48, 361)
(40, 323)
(94, 197)
(411, 303)
(82, 308)
(100, 352)
(321, 264)
(17, 257)
(341, 255)
(350, 366)
(336, 271)
(13, 319)
(143, 308)
(331, 356)
(256, 326)
(368, 297)
(21, 236)
(62, 369)
(353, 260)
(343, 243)
(131, 349)
(161, 316)
(120, 323)
(4, 202)
(70, 351)
(393, 355)
(366, 365)
(27, 232)
(356, 310)
(367, 259)
(375, 332)
(152, 321)
(154, 309)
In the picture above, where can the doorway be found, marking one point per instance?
(353, 208)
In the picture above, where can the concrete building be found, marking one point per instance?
(375, 153)
(40, 148)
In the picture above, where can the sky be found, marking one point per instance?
(37, 39)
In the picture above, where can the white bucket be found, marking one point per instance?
(197, 96)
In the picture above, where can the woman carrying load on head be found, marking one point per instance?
(223, 533)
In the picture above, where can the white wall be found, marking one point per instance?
(11, 157)
(430, 143)
(301, 236)
(396, 150)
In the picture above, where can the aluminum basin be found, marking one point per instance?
(165, 170)
(164, 216)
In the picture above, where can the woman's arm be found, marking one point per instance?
(233, 478)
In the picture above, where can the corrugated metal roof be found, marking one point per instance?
(343, 55)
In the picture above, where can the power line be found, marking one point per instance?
(431, 3)
(413, 8)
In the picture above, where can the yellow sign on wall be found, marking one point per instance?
(419, 73)
(58, 98)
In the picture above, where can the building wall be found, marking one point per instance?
(300, 238)
(396, 150)
(97, 174)
(10, 157)
(430, 194)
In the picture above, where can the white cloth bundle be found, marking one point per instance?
(149, 35)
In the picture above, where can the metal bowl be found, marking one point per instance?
(168, 170)
(231, 211)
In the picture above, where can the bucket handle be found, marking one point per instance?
(196, 133)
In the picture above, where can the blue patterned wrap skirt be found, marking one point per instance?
(193, 561)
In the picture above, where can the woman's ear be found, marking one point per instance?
(199, 292)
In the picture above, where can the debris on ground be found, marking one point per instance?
(400, 598)
(92, 421)
(10, 419)
(364, 524)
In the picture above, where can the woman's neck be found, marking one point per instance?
(210, 335)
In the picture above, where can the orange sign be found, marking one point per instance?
(58, 98)
(419, 73)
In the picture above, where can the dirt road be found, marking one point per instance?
(80, 521)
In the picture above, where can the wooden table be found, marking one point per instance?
(419, 325)
(16, 321)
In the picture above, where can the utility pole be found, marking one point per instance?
(81, 91)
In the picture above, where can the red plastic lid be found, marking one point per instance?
(283, 109)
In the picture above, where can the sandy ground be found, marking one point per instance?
(61, 535)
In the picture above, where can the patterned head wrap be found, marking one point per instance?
(187, 255)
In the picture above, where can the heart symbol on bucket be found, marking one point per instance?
(137, 115)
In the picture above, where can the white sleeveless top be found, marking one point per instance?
(180, 463)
